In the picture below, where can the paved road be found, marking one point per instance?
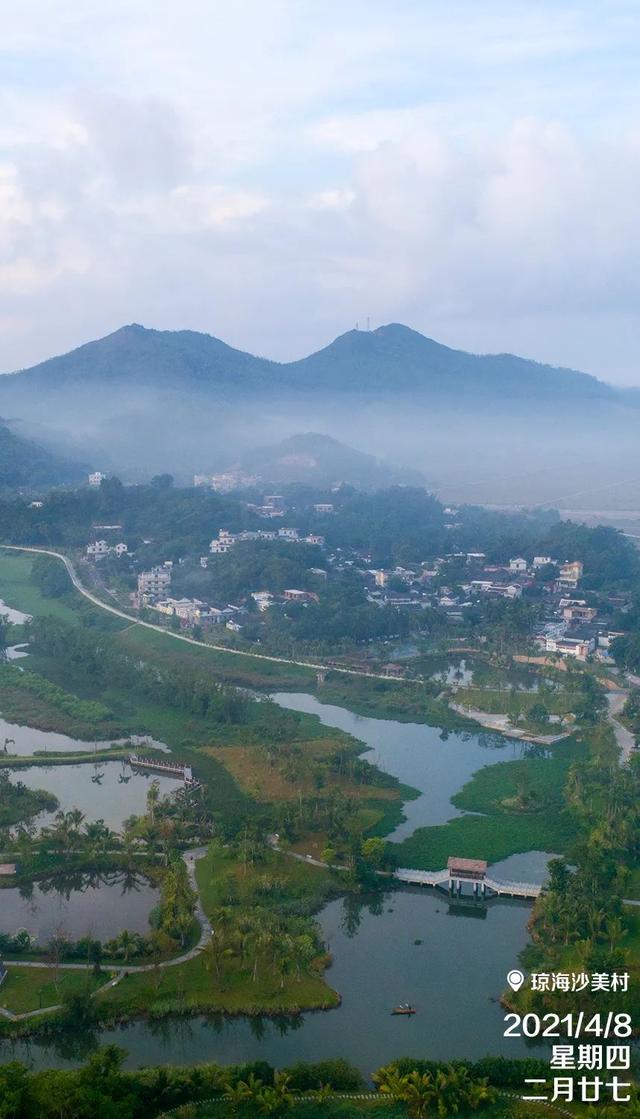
(75, 579)
(624, 738)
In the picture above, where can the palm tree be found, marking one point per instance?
(126, 942)
(418, 1093)
(273, 1100)
(153, 797)
(243, 1090)
(615, 930)
(389, 1082)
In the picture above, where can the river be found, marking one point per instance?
(436, 762)
(450, 959)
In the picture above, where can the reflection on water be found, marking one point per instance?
(78, 905)
(529, 866)
(448, 958)
(435, 761)
(25, 741)
(418, 948)
(110, 791)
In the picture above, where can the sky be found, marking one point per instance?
(274, 171)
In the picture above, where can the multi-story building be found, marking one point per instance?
(98, 549)
(578, 647)
(571, 574)
(155, 582)
(293, 595)
(96, 478)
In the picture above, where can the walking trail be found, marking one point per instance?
(190, 858)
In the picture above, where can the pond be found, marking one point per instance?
(79, 905)
(448, 957)
(117, 793)
(454, 976)
(25, 741)
(466, 671)
(436, 762)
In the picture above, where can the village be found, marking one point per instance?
(570, 621)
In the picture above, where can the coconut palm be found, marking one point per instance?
(389, 1082)
(419, 1092)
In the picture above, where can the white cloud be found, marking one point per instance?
(273, 172)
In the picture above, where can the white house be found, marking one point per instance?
(323, 507)
(121, 549)
(96, 478)
(518, 564)
(262, 599)
(288, 533)
(578, 647)
(541, 561)
(97, 549)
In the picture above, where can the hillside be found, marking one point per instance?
(394, 358)
(24, 464)
(390, 359)
(322, 461)
(480, 427)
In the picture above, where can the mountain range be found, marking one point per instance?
(143, 401)
(391, 359)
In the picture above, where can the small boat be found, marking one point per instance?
(404, 1008)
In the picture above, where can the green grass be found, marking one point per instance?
(26, 988)
(233, 668)
(308, 887)
(486, 837)
(403, 701)
(522, 809)
(18, 591)
(191, 988)
(499, 701)
(540, 780)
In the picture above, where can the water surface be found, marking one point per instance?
(436, 762)
(454, 977)
(110, 791)
(80, 905)
(25, 741)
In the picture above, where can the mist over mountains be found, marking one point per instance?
(25, 465)
(481, 427)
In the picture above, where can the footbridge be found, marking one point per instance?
(473, 871)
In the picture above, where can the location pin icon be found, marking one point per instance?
(515, 979)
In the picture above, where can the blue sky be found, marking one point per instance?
(272, 171)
